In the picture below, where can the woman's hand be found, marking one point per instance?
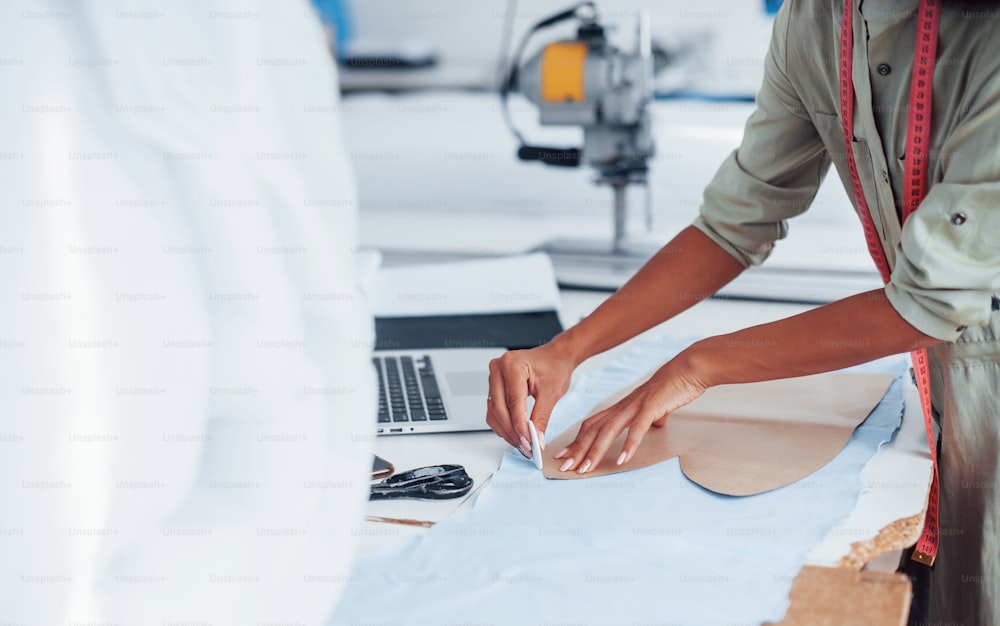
(543, 373)
(669, 388)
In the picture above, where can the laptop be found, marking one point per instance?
(434, 390)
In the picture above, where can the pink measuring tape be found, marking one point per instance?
(918, 129)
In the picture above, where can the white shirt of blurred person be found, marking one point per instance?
(188, 403)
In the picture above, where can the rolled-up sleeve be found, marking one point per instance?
(948, 262)
(775, 172)
(947, 272)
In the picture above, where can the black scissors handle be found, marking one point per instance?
(436, 482)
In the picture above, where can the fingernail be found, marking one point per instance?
(621, 457)
(560, 454)
(525, 444)
(584, 467)
(525, 451)
(568, 464)
(541, 439)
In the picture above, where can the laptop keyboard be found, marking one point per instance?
(407, 390)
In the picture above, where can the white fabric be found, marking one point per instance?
(187, 411)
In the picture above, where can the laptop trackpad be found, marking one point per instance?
(475, 383)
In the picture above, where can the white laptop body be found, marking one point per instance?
(410, 402)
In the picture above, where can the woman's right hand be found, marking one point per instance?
(544, 373)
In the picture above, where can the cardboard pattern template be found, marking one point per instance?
(747, 439)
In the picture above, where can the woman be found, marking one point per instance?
(941, 293)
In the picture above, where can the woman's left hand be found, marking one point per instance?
(669, 388)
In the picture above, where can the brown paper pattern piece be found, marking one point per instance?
(743, 440)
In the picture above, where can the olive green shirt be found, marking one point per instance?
(946, 259)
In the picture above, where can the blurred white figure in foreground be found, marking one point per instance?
(187, 398)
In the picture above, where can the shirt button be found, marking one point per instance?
(884, 69)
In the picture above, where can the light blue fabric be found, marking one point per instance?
(641, 547)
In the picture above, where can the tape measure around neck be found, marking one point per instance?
(914, 189)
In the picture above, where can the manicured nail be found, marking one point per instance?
(561, 453)
(584, 467)
(541, 439)
(526, 452)
(568, 464)
(621, 457)
(525, 444)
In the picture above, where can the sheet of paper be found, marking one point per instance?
(512, 284)
(742, 440)
(648, 546)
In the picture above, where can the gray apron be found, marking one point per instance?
(965, 387)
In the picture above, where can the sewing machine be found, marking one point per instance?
(591, 83)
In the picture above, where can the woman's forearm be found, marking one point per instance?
(663, 288)
(841, 334)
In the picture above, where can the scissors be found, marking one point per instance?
(436, 482)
